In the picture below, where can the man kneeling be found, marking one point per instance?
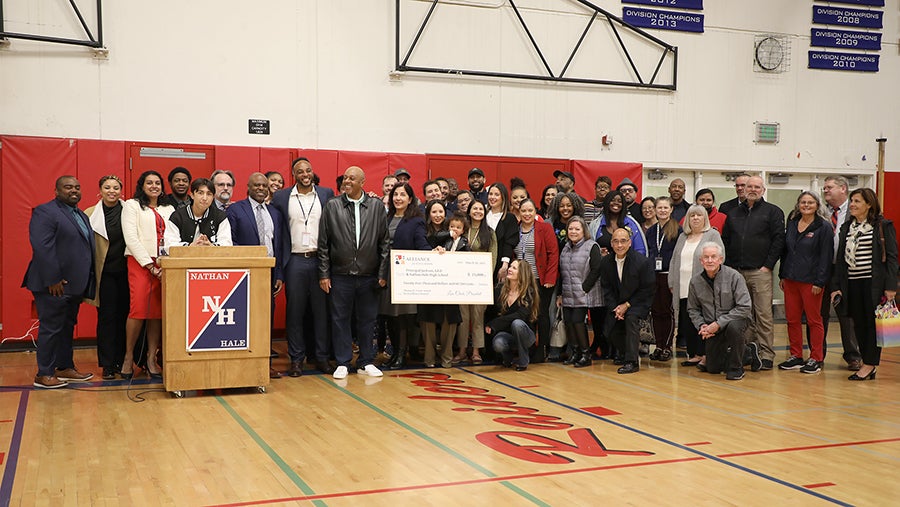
(719, 305)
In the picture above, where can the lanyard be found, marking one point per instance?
(659, 239)
(303, 211)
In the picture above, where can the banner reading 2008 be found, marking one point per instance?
(423, 277)
(218, 307)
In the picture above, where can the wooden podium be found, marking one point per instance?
(189, 362)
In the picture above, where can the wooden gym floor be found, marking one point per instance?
(483, 435)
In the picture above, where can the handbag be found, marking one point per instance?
(647, 336)
(887, 324)
(558, 333)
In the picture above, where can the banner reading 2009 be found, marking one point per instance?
(423, 277)
(218, 308)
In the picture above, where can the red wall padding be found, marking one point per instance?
(30, 165)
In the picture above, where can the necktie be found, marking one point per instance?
(261, 227)
(80, 222)
(834, 219)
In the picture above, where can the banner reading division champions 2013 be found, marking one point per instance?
(218, 309)
(424, 277)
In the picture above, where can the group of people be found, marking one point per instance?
(611, 263)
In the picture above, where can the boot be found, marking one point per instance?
(398, 360)
(584, 360)
(581, 337)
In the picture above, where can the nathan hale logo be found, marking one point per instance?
(218, 307)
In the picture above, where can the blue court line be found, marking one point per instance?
(451, 452)
(666, 441)
(270, 452)
(12, 459)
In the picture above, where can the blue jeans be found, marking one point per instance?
(354, 295)
(520, 338)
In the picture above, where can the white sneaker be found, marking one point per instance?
(370, 370)
(340, 372)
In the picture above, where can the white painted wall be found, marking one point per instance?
(195, 71)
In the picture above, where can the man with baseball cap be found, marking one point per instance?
(402, 176)
(628, 189)
(476, 184)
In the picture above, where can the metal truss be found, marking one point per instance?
(616, 24)
(90, 41)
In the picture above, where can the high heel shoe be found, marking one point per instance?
(870, 376)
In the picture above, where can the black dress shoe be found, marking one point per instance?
(296, 369)
(870, 376)
(628, 368)
(273, 373)
(702, 367)
(325, 367)
(690, 363)
(109, 373)
(521, 367)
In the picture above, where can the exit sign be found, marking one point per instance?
(767, 133)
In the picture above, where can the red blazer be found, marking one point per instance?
(546, 253)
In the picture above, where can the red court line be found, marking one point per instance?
(528, 387)
(460, 483)
(6, 420)
(552, 473)
(692, 444)
(808, 448)
(819, 485)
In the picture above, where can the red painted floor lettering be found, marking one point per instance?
(601, 411)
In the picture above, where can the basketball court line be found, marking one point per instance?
(667, 442)
(492, 478)
(15, 443)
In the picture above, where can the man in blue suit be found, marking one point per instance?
(253, 223)
(60, 275)
(302, 205)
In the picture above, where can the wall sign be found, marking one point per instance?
(843, 61)
(663, 20)
(259, 127)
(678, 4)
(832, 38)
(826, 15)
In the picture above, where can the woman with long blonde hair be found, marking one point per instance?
(518, 305)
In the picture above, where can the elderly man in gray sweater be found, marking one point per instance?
(719, 305)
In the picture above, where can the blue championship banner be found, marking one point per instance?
(868, 3)
(830, 38)
(826, 15)
(843, 61)
(218, 309)
(696, 5)
(663, 20)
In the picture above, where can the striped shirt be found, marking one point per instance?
(859, 260)
(525, 250)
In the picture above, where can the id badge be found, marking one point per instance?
(305, 239)
(659, 264)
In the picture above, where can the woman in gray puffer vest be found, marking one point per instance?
(579, 268)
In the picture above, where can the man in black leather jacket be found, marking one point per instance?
(353, 251)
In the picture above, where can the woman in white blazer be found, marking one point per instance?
(144, 227)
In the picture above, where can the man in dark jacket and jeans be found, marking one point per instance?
(353, 249)
(754, 238)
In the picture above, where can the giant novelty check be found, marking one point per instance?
(424, 277)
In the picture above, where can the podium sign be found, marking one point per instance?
(218, 307)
